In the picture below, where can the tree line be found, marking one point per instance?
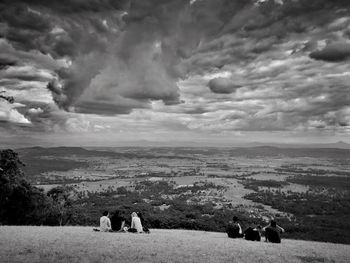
(24, 204)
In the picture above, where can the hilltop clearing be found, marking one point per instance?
(81, 244)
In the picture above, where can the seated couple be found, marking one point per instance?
(272, 231)
(117, 223)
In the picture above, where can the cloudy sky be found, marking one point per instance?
(108, 72)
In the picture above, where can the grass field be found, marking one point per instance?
(81, 244)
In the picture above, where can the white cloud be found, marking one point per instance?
(9, 113)
(35, 111)
(77, 125)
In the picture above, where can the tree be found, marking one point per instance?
(10, 182)
(20, 202)
(62, 202)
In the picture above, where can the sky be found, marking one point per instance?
(225, 72)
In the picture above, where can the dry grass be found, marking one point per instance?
(81, 244)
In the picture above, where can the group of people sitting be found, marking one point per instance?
(272, 231)
(116, 223)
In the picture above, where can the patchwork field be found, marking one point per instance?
(306, 190)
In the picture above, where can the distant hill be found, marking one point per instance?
(40, 159)
(291, 152)
(80, 244)
(198, 144)
(184, 152)
(62, 151)
(336, 145)
(195, 144)
(65, 151)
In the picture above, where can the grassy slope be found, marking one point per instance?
(81, 244)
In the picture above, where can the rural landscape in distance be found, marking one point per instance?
(306, 190)
(174, 131)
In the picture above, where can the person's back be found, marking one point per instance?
(117, 222)
(252, 234)
(136, 223)
(145, 228)
(234, 229)
(105, 223)
(273, 232)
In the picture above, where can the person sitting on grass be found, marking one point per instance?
(105, 223)
(117, 222)
(260, 230)
(136, 226)
(145, 228)
(253, 234)
(234, 229)
(273, 232)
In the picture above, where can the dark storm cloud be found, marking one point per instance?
(26, 74)
(39, 25)
(140, 63)
(56, 90)
(74, 6)
(103, 108)
(23, 18)
(263, 26)
(143, 67)
(222, 85)
(138, 54)
(6, 62)
(333, 52)
(21, 58)
(120, 56)
(25, 28)
(75, 79)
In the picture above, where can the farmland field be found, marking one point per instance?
(307, 190)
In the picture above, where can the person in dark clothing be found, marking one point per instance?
(273, 232)
(252, 234)
(117, 222)
(145, 228)
(234, 229)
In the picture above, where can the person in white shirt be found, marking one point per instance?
(136, 225)
(105, 222)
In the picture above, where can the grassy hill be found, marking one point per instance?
(81, 244)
